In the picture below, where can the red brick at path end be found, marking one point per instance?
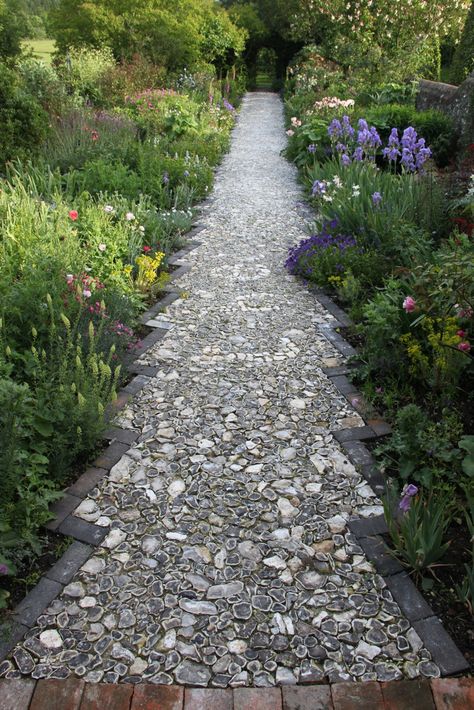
(157, 697)
(311, 697)
(453, 693)
(58, 694)
(208, 699)
(408, 695)
(16, 693)
(355, 696)
(257, 699)
(104, 696)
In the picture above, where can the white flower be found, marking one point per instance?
(141, 229)
(109, 209)
(102, 247)
(129, 216)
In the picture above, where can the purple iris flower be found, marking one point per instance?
(376, 198)
(335, 128)
(408, 492)
(319, 187)
(311, 148)
(166, 178)
(345, 159)
(347, 129)
(358, 154)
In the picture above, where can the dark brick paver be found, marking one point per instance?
(74, 694)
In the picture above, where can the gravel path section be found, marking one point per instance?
(228, 561)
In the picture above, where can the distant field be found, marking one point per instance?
(42, 48)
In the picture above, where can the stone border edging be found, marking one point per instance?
(369, 531)
(86, 536)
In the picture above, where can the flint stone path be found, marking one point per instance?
(229, 562)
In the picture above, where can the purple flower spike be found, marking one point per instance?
(346, 161)
(3, 569)
(376, 198)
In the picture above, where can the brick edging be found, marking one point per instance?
(75, 694)
(369, 531)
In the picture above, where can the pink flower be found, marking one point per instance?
(102, 247)
(461, 333)
(146, 249)
(464, 347)
(73, 214)
(290, 132)
(86, 293)
(69, 279)
(409, 304)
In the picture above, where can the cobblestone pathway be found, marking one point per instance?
(229, 562)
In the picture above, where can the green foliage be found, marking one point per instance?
(83, 70)
(348, 197)
(422, 450)
(463, 60)
(173, 33)
(418, 535)
(24, 123)
(43, 84)
(13, 29)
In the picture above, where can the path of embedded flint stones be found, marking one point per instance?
(228, 560)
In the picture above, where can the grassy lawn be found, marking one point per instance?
(42, 48)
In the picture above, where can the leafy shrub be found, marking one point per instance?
(422, 450)
(43, 84)
(83, 70)
(129, 78)
(24, 122)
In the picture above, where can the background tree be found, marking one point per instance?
(403, 35)
(12, 28)
(463, 60)
(174, 33)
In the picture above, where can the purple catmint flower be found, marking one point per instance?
(3, 569)
(165, 179)
(311, 148)
(227, 105)
(376, 198)
(299, 256)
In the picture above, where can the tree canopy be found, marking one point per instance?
(175, 33)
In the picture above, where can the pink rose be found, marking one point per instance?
(409, 304)
(86, 293)
(73, 214)
(461, 333)
(464, 347)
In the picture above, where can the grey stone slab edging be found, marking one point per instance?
(86, 536)
(368, 531)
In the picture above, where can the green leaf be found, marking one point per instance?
(468, 465)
